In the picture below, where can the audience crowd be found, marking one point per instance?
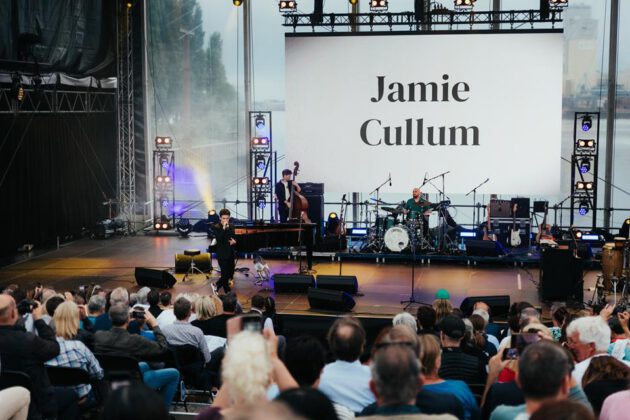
(141, 353)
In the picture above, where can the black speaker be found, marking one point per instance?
(160, 279)
(560, 275)
(316, 213)
(499, 305)
(522, 209)
(348, 284)
(477, 248)
(332, 300)
(296, 283)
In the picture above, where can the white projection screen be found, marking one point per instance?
(477, 105)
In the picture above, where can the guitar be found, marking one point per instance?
(341, 227)
(544, 230)
(486, 230)
(515, 234)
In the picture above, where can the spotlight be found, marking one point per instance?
(464, 3)
(559, 3)
(586, 144)
(259, 181)
(353, 2)
(332, 224)
(183, 227)
(164, 161)
(259, 121)
(261, 202)
(587, 123)
(161, 179)
(378, 5)
(625, 228)
(161, 223)
(578, 234)
(584, 185)
(17, 90)
(163, 201)
(585, 165)
(163, 142)
(213, 218)
(261, 162)
(260, 142)
(287, 6)
(164, 225)
(584, 207)
(237, 3)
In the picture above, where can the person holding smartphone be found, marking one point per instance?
(224, 234)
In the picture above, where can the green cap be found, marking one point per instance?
(442, 294)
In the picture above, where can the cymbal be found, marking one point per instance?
(392, 210)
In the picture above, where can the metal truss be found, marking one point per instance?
(126, 134)
(436, 19)
(58, 102)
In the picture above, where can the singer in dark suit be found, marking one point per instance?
(283, 193)
(224, 234)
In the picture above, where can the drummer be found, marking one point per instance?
(417, 208)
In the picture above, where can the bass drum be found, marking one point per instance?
(396, 239)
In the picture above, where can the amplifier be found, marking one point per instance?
(312, 188)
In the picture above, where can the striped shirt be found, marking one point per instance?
(465, 367)
(75, 354)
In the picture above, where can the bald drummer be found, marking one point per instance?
(417, 208)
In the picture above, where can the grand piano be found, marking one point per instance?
(252, 237)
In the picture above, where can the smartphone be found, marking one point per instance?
(522, 340)
(251, 322)
(510, 354)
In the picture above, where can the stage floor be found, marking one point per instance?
(382, 286)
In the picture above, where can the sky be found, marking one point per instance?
(268, 34)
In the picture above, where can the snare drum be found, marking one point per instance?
(396, 238)
(612, 264)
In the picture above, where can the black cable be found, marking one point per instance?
(8, 167)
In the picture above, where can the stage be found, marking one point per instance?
(382, 286)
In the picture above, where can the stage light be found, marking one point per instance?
(237, 3)
(261, 162)
(17, 90)
(259, 121)
(163, 142)
(212, 212)
(261, 202)
(559, 3)
(163, 201)
(259, 181)
(464, 3)
(587, 123)
(161, 223)
(353, 2)
(585, 165)
(379, 5)
(260, 142)
(586, 144)
(287, 6)
(183, 227)
(332, 224)
(584, 186)
(584, 207)
(160, 179)
(624, 230)
(578, 234)
(164, 225)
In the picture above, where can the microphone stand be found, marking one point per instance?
(475, 210)
(442, 195)
(555, 210)
(377, 190)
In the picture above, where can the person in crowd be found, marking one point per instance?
(95, 307)
(136, 402)
(207, 309)
(442, 305)
(431, 360)
(346, 381)
(620, 336)
(426, 320)
(562, 410)
(544, 374)
(142, 297)
(481, 340)
(604, 376)
(15, 402)
(26, 352)
(153, 299)
(559, 315)
(216, 325)
(455, 363)
(309, 403)
(167, 316)
(181, 332)
(491, 328)
(517, 322)
(588, 337)
(616, 406)
(119, 341)
(258, 307)
(165, 300)
(118, 296)
(405, 318)
(514, 320)
(270, 313)
(490, 337)
(73, 353)
(395, 380)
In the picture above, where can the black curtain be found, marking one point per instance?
(56, 170)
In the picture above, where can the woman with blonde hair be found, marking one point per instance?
(207, 309)
(73, 353)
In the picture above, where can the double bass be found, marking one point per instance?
(299, 204)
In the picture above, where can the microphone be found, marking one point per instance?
(487, 179)
(424, 181)
(343, 198)
(390, 179)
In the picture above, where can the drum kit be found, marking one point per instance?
(395, 231)
(615, 276)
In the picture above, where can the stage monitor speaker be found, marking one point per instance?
(292, 283)
(331, 300)
(522, 209)
(539, 206)
(499, 305)
(477, 248)
(560, 275)
(160, 279)
(348, 284)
